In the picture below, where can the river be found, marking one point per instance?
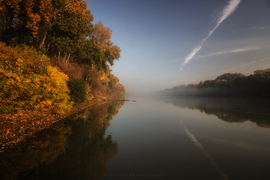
(152, 138)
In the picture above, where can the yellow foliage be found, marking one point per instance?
(102, 76)
(27, 81)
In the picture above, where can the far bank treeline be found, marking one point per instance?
(256, 85)
(52, 56)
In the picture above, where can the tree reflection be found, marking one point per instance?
(229, 110)
(75, 148)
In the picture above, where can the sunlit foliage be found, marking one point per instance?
(34, 87)
(98, 83)
(49, 23)
(59, 28)
(29, 82)
(101, 37)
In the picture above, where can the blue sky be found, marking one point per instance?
(157, 37)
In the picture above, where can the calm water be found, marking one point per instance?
(160, 138)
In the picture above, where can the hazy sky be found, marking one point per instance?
(167, 43)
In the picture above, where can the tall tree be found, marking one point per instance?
(71, 26)
(57, 23)
(101, 40)
(22, 19)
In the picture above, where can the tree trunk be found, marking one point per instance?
(68, 57)
(48, 47)
(42, 41)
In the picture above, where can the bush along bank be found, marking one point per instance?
(36, 91)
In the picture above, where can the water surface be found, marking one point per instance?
(158, 138)
(191, 138)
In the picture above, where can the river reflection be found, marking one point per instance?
(191, 138)
(229, 110)
(75, 148)
(161, 138)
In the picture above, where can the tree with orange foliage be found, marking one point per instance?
(105, 50)
(55, 23)
(101, 37)
(261, 71)
(98, 50)
(23, 20)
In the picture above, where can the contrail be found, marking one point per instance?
(227, 51)
(247, 64)
(226, 12)
(235, 50)
(259, 28)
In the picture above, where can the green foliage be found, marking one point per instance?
(77, 89)
(71, 25)
(111, 109)
(111, 83)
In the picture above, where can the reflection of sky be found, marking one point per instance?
(200, 146)
(156, 36)
(159, 137)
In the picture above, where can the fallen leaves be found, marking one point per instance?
(14, 127)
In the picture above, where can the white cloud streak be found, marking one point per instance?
(259, 28)
(235, 50)
(190, 56)
(247, 64)
(254, 62)
(226, 12)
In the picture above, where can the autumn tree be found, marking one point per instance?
(230, 76)
(71, 26)
(193, 85)
(261, 71)
(25, 21)
(101, 48)
(101, 37)
(62, 27)
(57, 24)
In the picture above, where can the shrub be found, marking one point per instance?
(27, 81)
(112, 82)
(111, 109)
(73, 70)
(77, 88)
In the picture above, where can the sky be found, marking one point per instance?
(167, 43)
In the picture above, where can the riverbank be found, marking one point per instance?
(15, 129)
(37, 91)
(78, 140)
